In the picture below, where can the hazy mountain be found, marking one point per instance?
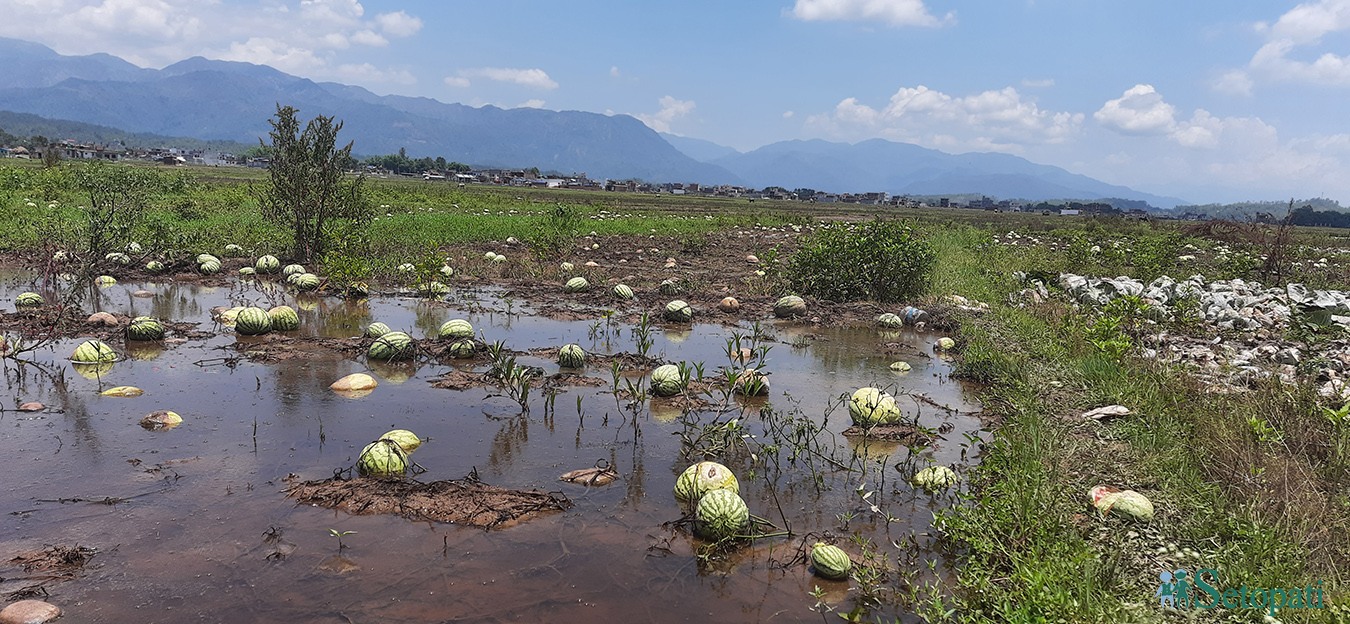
(27, 125)
(698, 149)
(903, 168)
(231, 101)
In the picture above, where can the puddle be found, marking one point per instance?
(201, 528)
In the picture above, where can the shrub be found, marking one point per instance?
(881, 260)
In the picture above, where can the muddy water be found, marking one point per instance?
(190, 538)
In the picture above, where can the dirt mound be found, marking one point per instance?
(465, 501)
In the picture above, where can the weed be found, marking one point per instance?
(885, 261)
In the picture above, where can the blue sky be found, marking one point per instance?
(1208, 101)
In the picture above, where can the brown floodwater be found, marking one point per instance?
(204, 531)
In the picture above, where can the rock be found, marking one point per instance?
(29, 612)
(1103, 412)
(143, 294)
(33, 406)
(729, 305)
(102, 318)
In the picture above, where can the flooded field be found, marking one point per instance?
(192, 523)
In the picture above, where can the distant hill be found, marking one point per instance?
(1243, 210)
(27, 125)
(698, 149)
(903, 168)
(230, 101)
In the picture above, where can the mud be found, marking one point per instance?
(466, 501)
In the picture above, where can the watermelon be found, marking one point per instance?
(432, 289)
(392, 346)
(789, 306)
(267, 264)
(209, 268)
(118, 257)
(576, 285)
(456, 329)
(307, 281)
(382, 458)
(105, 280)
(944, 343)
(206, 257)
(489, 256)
(830, 562)
(669, 287)
(154, 266)
(293, 278)
(704, 477)
(252, 322)
(133, 247)
(59, 256)
(678, 312)
(375, 330)
(1128, 503)
(571, 356)
(498, 259)
(446, 270)
(935, 478)
(622, 292)
(463, 349)
(890, 321)
(406, 440)
(729, 305)
(248, 271)
(355, 384)
(145, 328)
(721, 514)
(284, 318)
(566, 266)
(234, 251)
(901, 367)
(358, 289)
(751, 383)
(406, 267)
(94, 351)
(667, 380)
(292, 269)
(870, 406)
(29, 300)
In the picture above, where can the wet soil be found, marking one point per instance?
(465, 501)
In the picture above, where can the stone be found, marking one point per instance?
(29, 612)
(355, 381)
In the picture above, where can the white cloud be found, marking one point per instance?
(1140, 111)
(891, 12)
(398, 24)
(671, 109)
(369, 37)
(788, 114)
(614, 71)
(1302, 27)
(305, 37)
(457, 81)
(997, 120)
(1038, 84)
(532, 103)
(534, 78)
(1233, 82)
(367, 73)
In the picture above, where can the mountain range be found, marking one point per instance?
(231, 101)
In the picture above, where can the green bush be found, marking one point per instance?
(882, 260)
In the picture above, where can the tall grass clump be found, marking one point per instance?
(880, 260)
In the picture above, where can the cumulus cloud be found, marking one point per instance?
(1140, 111)
(671, 109)
(614, 71)
(1290, 42)
(998, 120)
(532, 103)
(398, 24)
(788, 114)
(895, 13)
(308, 37)
(533, 78)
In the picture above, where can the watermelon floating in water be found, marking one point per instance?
(267, 264)
(667, 380)
(145, 328)
(29, 300)
(704, 477)
(571, 356)
(456, 329)
(284, 318)
(870, 406)
(678, 312)
(382, 458)
(252, 322)
(94, 351)
(375, 330)
(392, 346)
(721, 514)
(406, 440)
(789, 306)
(830, 562)
(935, 478)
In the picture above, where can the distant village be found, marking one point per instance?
(73, 150)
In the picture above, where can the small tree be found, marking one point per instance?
(308, 191)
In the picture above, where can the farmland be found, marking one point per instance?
(1233, 386)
